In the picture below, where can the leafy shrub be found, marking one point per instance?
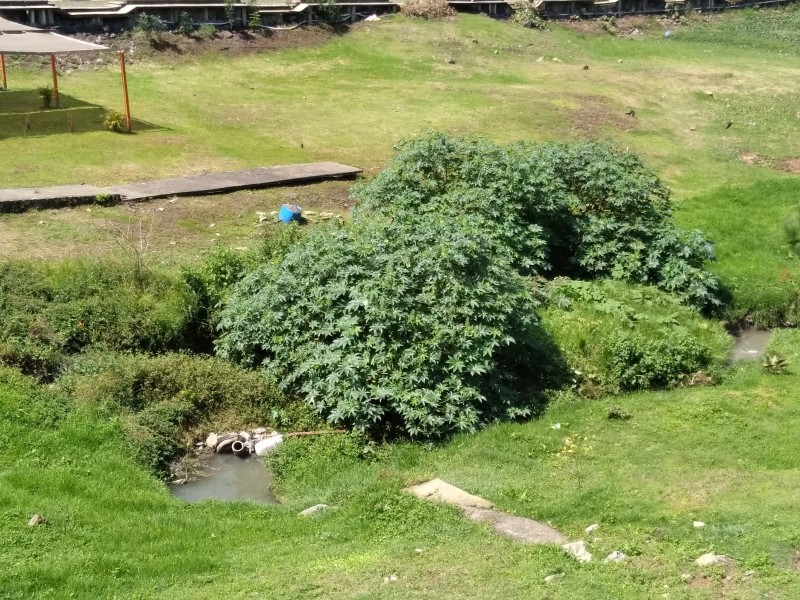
(427, 9)
(222, 268)
(206, 32)
(329, 12)
(791, 227)
(254, 20)
(230, 13)
(67, 306)
(413, 326)
(185, 23)
(149, 24)
(582, 210)
(526, 15)
(115, 121)
(617, 336)
(32, 358)
(45, 95)
(641, 362)
(166, 398)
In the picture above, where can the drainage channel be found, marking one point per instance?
(230, 478)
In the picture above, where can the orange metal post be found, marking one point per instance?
(125, 91)
(3, 69)
(55, 80)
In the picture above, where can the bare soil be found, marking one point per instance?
(792, 165)
(174, 46)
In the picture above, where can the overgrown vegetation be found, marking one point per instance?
(52, 310)
(166, 401)
(419, 319)
(149, 25)
(583, 210)
(618, 337)
(427, 9)
(526, 15)
(416, 326)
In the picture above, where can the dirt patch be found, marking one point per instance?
(750, 158)
(596, 116)
(796, 561)
(792, 165)
(175, 46)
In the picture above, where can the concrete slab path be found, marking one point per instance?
(20, 199)
(476, 508)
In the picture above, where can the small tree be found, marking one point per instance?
(185, 23)
(254, 20)
(230, 13)
(150, 26)
(134, 239)
(329, 12)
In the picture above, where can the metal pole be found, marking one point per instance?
(3, 69)
(125, 91)
(55, 81)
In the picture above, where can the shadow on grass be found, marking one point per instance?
(21, 115)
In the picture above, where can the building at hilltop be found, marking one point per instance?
(115, 15)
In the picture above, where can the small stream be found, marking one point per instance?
(228, 477)
(750, 344)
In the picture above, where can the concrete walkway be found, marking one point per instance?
(20, 199)
(476, 508)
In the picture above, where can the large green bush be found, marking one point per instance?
(618, 337)
(414, 325)
(581, 210)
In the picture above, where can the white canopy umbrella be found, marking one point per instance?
(16, 38)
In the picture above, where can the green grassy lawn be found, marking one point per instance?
(352, 98)
(727, 456)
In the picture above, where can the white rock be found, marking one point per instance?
(267, 445)
(36, 520)
(244, 436)
(556, 426)
(260, 430)
(698, 524)
(313, 510)
(390, 578)
(713, 560)
(212, 440)
(553, 577)
(578, 550)
(592, 527)
(615, 557)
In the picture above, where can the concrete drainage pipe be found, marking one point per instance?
(239, 449)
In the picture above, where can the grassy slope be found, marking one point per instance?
(728, 456)
(352, 98)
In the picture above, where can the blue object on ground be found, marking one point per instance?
(667, 33)
(289, 213)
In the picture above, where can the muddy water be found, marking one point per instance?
(749, 345)
(228, 477)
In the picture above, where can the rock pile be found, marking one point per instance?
(258, 441)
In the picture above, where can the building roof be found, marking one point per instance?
(16, 38)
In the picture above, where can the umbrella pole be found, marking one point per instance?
(55, 80)
(3, 69)
(125, 91)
